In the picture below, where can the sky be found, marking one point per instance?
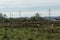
(30, 7)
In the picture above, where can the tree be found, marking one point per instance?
(5, 16)
(37, 16)
(1, 15)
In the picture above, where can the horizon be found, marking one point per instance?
(30, 14)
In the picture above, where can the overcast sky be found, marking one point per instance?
(30, 7)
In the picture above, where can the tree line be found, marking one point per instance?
(26, 21)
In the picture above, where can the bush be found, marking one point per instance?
(30, 38)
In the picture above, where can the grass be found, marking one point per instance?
(29, 34)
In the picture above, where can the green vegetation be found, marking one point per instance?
(44, 33)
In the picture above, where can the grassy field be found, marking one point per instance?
(29, 34)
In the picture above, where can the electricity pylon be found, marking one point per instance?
(19, 14)
(49, 13)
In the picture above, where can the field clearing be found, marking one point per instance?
(29, 34)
